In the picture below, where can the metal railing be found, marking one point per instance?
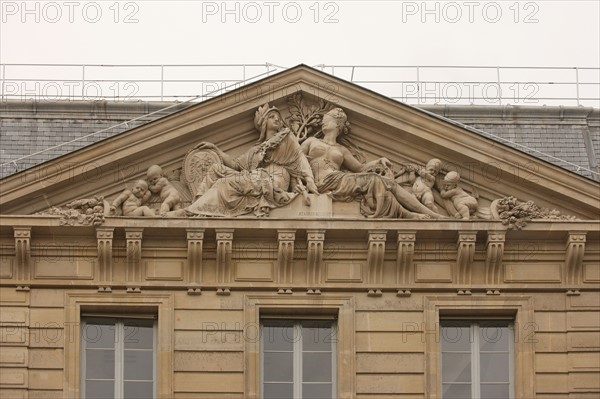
(449, 84)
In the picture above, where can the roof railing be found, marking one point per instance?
(445, 84)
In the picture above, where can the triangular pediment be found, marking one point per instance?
(381, 127)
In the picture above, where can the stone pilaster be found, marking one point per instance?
(493, 259)
(224, 255)
(195, 242)
(23, 253)
(285, 255)
(464, 256)
(404, 256)
(575, 248)
(375, 256)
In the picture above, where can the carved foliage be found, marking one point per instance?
(516, 214)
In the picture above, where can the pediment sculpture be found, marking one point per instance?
(311, 154)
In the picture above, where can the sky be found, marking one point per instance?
(287, 33)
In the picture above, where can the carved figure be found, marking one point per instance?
(379, 195)
(258, 180)
(425, 181)
(132, 201)
(465, 204)
(159, 184)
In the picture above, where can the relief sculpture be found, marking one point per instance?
(269, 175)
(312, 153)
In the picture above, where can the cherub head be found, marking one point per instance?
(434, 166)
(451, 180)
(139, 188)
(154, 174)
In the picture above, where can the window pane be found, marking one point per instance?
(138, 365)
(99, 364)
(494, 367)
(99, 390)
(278, 366)
(317, 338)
(456, 391)
(99, 335)
(495, 391)
(316, 367)
(278, 391)
(493, 338)
(138, 390)
(316, 391)
(456, 337)
(456, 367)
(279, 338)
(138, 334)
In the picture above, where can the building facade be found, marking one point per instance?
(312, 298)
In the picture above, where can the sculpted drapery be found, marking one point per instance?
(258, 180)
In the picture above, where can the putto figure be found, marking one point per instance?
(464, 204)
(132, 201)
(424, 182)
(158, 184)
(261, 178)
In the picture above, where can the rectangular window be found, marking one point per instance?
(118, 358)
(477, 359)
(298, 359)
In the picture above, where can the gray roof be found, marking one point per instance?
(35, 132)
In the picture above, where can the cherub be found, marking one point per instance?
(425, 181)
(465, 204)
(133, 200)
(171, 200)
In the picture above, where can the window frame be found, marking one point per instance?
(475, 326)
(297, 325)
(518, 308)
(119, 349)
(77, 305)
(261, 307)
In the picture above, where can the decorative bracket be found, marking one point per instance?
(494, 253)
(23, 252)
(464, 257)
(575, 248)
(314, 257)
(376, 255)
(285, 255)
(104, 236)
(224, 253)
(195, 240)
(404, 259)
(134, 255)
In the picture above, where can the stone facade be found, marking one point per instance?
(386, 284)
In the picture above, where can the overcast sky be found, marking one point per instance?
(286, 33)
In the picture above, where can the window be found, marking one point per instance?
(298, 359)
(477, 359)
(118, 358)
